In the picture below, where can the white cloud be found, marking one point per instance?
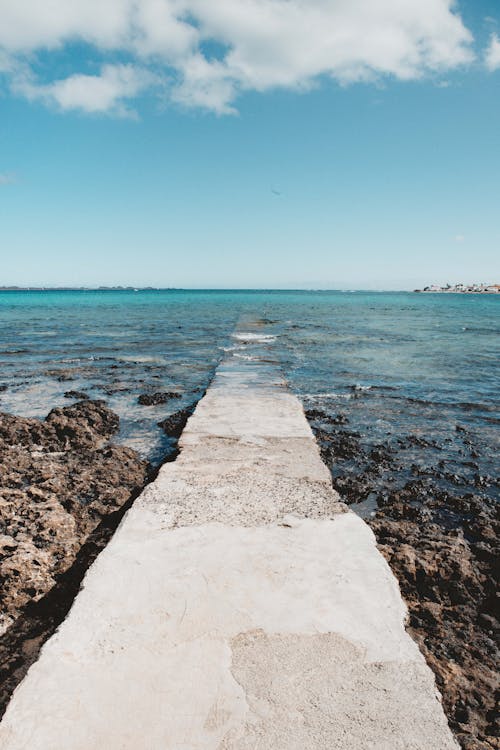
(492, 58)
(27, 25)
(101, 93)
(7, 179)
(206, 84)
(211, 51)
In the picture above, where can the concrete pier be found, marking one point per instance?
(239, 606)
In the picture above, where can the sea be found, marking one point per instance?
(418, 373)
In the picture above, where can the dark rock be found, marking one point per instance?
(321, 416)
(381, 454)
(340, 443)
(410, 441)
(80, 395)
(84, 424)
(59, 478)
(445, 582)
(112, 390)
(160, 397)
(175, 423)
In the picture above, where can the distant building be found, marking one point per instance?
(463, 288)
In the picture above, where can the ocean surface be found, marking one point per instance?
(418, 371)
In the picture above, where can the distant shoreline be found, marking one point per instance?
(452, 291)
(460, 289)
(89, 289)
(238, 289)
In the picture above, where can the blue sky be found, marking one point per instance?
(223, 150)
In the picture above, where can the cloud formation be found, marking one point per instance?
(493, 54)
(106, 92)
(207, 53)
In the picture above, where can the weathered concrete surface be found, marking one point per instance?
(238, 606)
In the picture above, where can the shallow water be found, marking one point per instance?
(395, 364)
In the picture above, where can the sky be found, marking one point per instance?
(249, 143)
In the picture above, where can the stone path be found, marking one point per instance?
(239, 606)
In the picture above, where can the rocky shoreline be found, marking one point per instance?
(461, 289)
(63, 490)
(442, 544)
(59, 478)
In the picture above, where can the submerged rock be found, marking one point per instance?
(160, 397)
(80, 395)
(58, 479)
(317, 414)
(62, 374)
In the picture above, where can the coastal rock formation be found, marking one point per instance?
(175, 423)
(159, 397)
(447, 579)
(78, 395)
(58, 479)
(443, 547)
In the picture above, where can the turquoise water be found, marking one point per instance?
(393, 363)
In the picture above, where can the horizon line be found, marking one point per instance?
(130, 288)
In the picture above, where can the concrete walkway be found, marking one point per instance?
(238, 606)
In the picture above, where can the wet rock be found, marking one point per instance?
(160, 397)
(58, 479)
(112, 390)
(353, 489)
(175, 423)
(381, 454)
(341, 444)
(317, 414)
(80, 395)
(61, 374)
(412, 440)
(3, 387)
